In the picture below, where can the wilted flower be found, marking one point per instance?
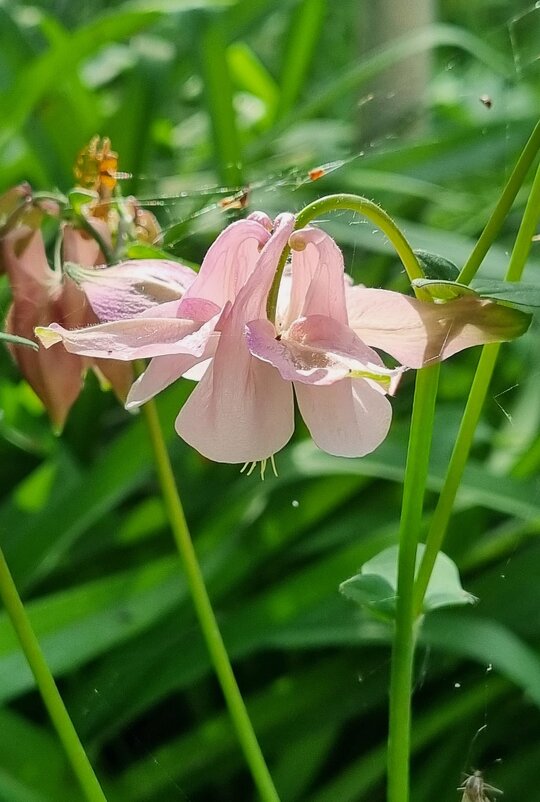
(321, 343)
(41, 295)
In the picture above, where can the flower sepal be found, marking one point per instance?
(440, 291)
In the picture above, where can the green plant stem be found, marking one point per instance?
(458, 460)
(403, 644)
(504, 204)
(523, 243)
(475, 402)
(47, 687)
(209, 626)
(352, 203)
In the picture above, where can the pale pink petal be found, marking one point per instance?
(347, 419)
(241, 410)
(229, 262)
(160, 373)
(137, 338)
(318, 350)
(262, 218)
(317, 276)
(196, 373)
(251, 300)
(417, 332)
(126, 289)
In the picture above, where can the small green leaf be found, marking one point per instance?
(518, 294)
(375, 586)
(79, 197)
(439, 290)
(437, 267)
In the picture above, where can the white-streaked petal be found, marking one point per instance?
(348, 419)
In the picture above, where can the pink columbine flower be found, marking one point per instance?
(320, 345)
(179, 334)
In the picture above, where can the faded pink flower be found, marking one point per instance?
(321, 345)
(41, 295)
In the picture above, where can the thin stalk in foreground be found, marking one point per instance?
(47, 687)
(403, 644)
(473, 409)
(207, 619)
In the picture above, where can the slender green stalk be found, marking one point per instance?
(475, 402)
(353, 203)
(47, 687)
(458, 461)
(403, 645)
(504, 204)
(413, 496)
(523, 243)
(207, 619)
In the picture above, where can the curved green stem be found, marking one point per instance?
(207, 619)
(47, 687)
(403, 644)
(353, 203)
(475, 402)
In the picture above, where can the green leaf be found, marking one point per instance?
(518, 294)
(250, 74)
(45, 777)
(78, 624)
(437, 267)
(490, 644)
(375, 586)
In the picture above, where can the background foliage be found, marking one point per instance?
(201, 99)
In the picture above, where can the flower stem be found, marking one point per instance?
(504, 204)
(475, 402)
(353, 203)
(403, 644)
(47, 687)
(207, 619)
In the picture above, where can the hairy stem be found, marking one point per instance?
(353, 203)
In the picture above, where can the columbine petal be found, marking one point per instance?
(137, 338)
(317, 277)
(318, 350)
(417, 333)
(241, 410)
(229, 262)
(347, 419)
(131, 287)
(250, 302)
(163, 371)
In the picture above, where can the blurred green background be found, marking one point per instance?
(423, 108)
